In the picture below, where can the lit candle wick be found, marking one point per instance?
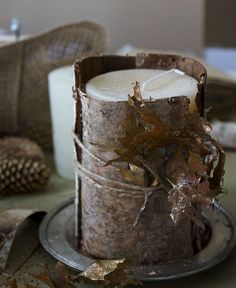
(157, 77)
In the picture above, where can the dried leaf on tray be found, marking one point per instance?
(43, 277)
(109, 272)
(176, 153)
(30, 286)
(11, 284)
(103, 272)
(2, 239)
(61, 277)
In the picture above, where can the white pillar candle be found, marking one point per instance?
(155, 83)
(60, 83)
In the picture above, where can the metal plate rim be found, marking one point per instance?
(86, 261)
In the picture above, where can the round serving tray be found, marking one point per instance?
(57, 237)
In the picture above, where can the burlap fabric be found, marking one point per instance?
(24, 66)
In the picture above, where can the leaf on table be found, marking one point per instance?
(10, 220)
(43, 277)
(2, 239)
(103, 272)
(120, 278)
(30, 286)
(59, 277)
(11, 284)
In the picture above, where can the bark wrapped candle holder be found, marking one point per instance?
(108, 225)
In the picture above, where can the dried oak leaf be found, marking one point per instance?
(43, 277)
(177, 153)
(100, 269)
(137, 96)
(184, 198)
(133, 175)
(30, 286)
(191, 186)
(59, 277)
(2, 239)
(109, 272)
(11, 284)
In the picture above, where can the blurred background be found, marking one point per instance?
(192, 26)
(162, 24)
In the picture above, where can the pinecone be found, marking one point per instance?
(15, 147)
(22, 167)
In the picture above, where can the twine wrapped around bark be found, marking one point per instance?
(96, 177)
(116, 219)
(112, 185)
(24, 101)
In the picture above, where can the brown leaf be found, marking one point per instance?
(101, 268)
(133, 177)
(120, 278)
(61, 276)
(109, 272)
(137, 96)
(218, 173)
(177, 153)
(11, 283)
(195, 163)
(62, 270)
(2, 239)
(43, 277)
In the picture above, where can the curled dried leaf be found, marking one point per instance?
(109, 272)
(11, 283)
(136, 97)
(134, 175)
(60, 277)
(43, 277)
(175, 151)
(100, 269)
(2, 239)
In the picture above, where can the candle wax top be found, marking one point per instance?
(116, 85)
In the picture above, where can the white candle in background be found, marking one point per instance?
(60, 83)
(155, 83)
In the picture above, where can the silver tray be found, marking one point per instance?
(57, 237)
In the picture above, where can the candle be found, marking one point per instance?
(60, 89)
(154, 83)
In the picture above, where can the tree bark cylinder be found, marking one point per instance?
(106, 211)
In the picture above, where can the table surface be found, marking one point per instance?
(59, 190)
